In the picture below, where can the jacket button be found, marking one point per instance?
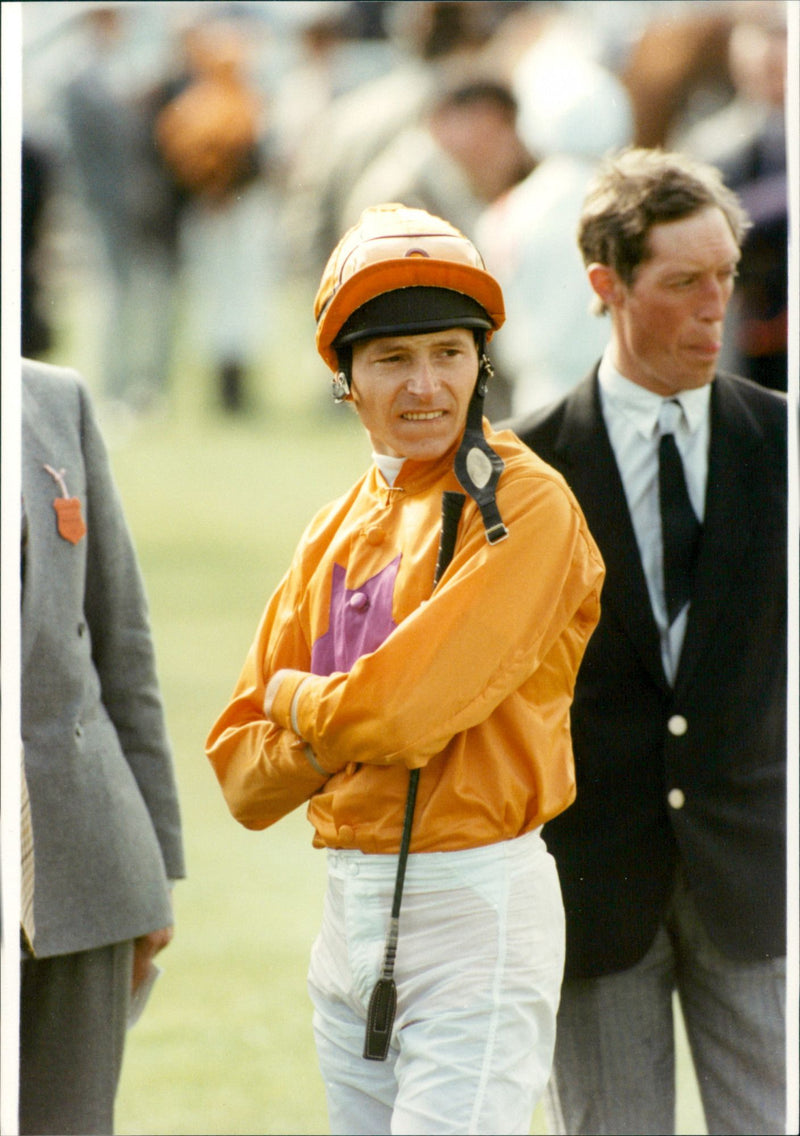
(677, 725)
(79, 731)
(375, 535)
(81, 628)
(676, 798)
(346, 834)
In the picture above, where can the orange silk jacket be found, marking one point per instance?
(471, 683)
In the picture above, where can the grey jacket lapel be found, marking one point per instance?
(50, 436)
(36, 506)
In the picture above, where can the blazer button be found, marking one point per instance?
(79, 731)
(346, 834)
(81, 629)
(677, 725)
(375, 535)
(676, 798)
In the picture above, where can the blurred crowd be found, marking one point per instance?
(206, 158)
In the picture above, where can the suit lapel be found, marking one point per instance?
(591, 470)
(731, 511)
(30, 504)
(38, 493)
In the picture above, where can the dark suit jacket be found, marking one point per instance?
(617, 846)
(104, 809)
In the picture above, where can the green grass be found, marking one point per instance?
(216, 506)
(226, 1045)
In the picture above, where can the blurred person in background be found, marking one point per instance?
(315, 78)
(673, 858)
(131, 203)
(38, 173)
(572, 112)
(464, 154)
(406, 659)
(746, 140)
(101, 831)
(210, 135)
(432, 40)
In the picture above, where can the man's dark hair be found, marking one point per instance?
(476, 91)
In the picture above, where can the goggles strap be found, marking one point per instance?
(476, 465)
(340, 385)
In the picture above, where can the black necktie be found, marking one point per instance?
(680, 528)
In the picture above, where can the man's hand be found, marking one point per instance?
(146, 947)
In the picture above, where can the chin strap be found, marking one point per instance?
(340, 386)
(477, 466)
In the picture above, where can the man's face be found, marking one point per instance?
(412, 392)
(667, 325)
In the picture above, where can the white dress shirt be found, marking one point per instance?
(631, 416)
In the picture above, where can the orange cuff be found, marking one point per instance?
(281, 709)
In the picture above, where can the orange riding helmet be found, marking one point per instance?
(391, 249)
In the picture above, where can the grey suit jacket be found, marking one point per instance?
(104, 808)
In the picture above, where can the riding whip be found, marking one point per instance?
(383, 1001)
